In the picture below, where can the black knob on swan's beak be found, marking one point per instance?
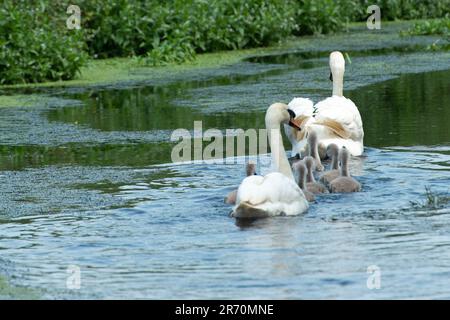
(291, 114)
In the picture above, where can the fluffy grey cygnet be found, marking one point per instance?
(313, 150)
(300, 168)
(311, 184)
(333, 173)
(344, 183)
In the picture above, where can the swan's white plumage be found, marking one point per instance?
(346, 114)
(274, 194)
(335, 119)
(302, 106)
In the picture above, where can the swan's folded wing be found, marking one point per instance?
(341, 115)
(272, 195)
(251, 190)
(282, 189)
(274, 187)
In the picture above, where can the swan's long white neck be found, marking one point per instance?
(279, 158)
(338, 84)
(337, 67)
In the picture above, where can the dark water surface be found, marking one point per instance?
(99, 192)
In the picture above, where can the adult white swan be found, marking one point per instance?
(275, 193)
(335, 120)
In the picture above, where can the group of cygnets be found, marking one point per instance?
(331, 129)
(336, 180)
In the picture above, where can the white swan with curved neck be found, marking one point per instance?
(276, 193)
(335, 120)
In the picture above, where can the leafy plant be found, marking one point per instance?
(428, 27)
(36, 45)
(170, 51)
(321, 16)
(34, 48)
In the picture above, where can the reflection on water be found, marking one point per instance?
(409, 110)
(133, 155)
(141, 228)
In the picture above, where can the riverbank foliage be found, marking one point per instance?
(34, 47)
(430, 27)
(37, 46)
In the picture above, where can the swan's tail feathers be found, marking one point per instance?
(335, 126)
(246, 211)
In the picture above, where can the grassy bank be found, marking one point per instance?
(113, 70)
(121, 70)
(42, 40)
(128, 71)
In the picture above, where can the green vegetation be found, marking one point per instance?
(398, 9)
(98, 72)
(38, 47)
(429, 27)
(432, 200)
(34, 48)
(440, 27)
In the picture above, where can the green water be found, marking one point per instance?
(90, 183)
(409, 110)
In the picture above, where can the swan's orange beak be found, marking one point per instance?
(294, 124)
